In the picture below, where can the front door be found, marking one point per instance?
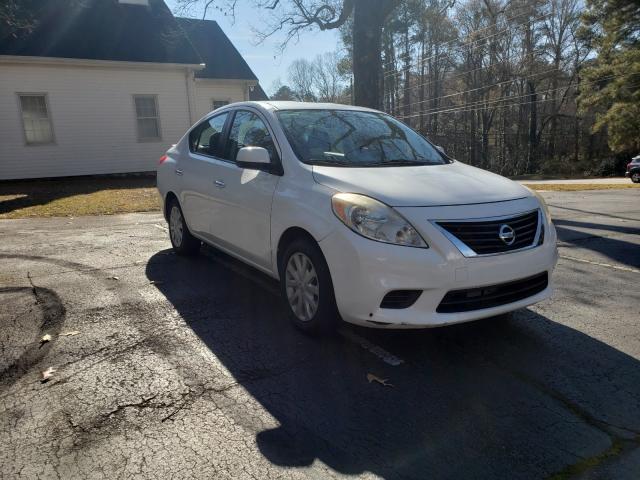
(242, 221)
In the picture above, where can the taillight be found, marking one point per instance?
(163, 158)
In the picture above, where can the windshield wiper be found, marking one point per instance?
(333, 162)
(401, 162)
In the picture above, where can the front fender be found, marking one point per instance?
(306, 208)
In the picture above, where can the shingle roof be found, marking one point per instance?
(220, 56)
(103, 30)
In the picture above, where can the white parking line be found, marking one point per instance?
(600, 264)
(379, 352)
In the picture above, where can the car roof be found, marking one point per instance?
(287, 105)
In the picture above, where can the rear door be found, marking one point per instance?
(199, 169)
(241, 221)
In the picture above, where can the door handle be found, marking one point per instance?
(179, 172)
(219, 184)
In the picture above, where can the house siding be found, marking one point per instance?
(93, 117)
(207, 90)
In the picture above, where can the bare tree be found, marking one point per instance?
(328, 79)
(294, 17)
(302, 79)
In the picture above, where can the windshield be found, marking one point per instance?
(355, 139)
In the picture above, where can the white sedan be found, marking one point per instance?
(359, 217)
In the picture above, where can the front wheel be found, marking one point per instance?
(181, 239)
(306, 286)
(635, 177)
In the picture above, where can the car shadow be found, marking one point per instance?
(29, 193)
(588, 235)
(522, 397)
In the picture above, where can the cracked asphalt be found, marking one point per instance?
(188, 368)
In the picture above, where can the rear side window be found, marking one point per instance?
(206, 138)
(248, 130)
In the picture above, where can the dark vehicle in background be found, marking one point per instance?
(633, 169)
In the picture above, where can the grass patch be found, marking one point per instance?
(573, 187)
(78, 196)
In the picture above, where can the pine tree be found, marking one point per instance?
(610, 84)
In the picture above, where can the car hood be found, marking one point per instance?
(422, 186)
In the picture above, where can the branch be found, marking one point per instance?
(301, 16)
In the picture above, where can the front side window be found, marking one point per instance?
(355, 139)
(215, 104)
(147, 117)
(206, 138)
(248, 130)
(35, 119)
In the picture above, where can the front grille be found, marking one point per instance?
(492, 296)
(482, 237)
(398, 299)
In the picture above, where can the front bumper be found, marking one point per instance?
(364, 271)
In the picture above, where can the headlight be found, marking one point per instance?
(545, 208)
(375, 220)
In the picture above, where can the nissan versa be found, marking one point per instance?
(358, 216)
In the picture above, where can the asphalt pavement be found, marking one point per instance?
(167, 367)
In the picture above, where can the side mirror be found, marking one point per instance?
(441, 149)
(255, 158)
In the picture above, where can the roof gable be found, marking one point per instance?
(257, 94)
(220, 56)
(103, 30)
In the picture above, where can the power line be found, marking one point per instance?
(478, 107)
(513, 80)
(465, 109)
(483, 103)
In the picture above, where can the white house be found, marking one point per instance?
(106, 86)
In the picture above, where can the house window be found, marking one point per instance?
(215, 104)
(147, 117)
(35, 119)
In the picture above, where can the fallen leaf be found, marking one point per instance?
(114, 278)
(45, 338)
(382, 381)
(47, 374)
(70, 334)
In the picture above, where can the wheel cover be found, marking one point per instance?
(635, 176)
(175, 226)
(302, 285)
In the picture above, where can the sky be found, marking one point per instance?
(266, 60)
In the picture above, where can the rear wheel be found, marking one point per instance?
(306, 286)
(635, 177)
(181, 239)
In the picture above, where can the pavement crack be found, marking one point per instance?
(144, 403)
(34, 289)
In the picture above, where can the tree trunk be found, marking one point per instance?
(368, 18)
(406, 96)
(532, 154)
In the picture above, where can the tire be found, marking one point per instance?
(304, 255)
(181, 239)
(635, 177)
